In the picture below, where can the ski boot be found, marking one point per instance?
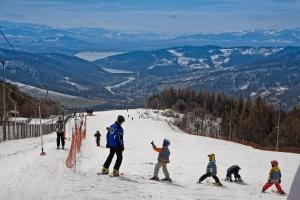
(282, 192)
(116, 172)
(263, 191)
(218, 184)
(105, 170)
(155, 178)
(167, 180)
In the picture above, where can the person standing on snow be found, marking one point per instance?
(211, 170)
(234, 169)
(115, 142)
(163, 160)
(60, 131)
(274, 178)
(98, 136)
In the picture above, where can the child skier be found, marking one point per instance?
(211, 170)
(234, 169)
(98, 136)
(274, 178)
(163, 160)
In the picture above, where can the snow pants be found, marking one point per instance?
(202, 178)
(164, 168)
(114, 150)
(277, 185)
(60, 138)
(98, 141)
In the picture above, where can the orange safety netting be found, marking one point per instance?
(78, 134)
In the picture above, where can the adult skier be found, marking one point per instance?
(115, 143)
(60, 131)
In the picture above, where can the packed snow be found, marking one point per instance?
(24, 174)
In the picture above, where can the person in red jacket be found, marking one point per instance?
(274, 178)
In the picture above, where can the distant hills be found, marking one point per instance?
(240, 64)
(45, 39)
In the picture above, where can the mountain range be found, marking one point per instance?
(44, 39)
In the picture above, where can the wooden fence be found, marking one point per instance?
(20, 130)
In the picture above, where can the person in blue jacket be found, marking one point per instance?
(115, 143)
(211, 170)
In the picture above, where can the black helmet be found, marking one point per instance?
(120, 119)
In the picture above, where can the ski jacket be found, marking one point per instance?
(98, 135)
(115, 135)
(211, 168)
(59, 125)
(274, 175)
(164, 154)
(233, 169)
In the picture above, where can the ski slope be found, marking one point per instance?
(24, 174)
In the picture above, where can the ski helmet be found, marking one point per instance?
(274, 163)
(120, 119)
(212, 157)
(166, 143)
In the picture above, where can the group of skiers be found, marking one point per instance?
(115, 143)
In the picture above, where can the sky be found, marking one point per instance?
(167, 16)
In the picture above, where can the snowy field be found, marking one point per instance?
(24, 174)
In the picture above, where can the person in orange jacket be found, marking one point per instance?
(274, 178)
(163, 160)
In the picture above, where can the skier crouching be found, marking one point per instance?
(211, 170)
(233, 170)
(163, 160)
(274, 178)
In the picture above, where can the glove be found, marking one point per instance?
(122, 148)
(107, 145)
(280, 180)
(269, 180)
(152, 143)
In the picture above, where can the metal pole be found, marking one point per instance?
(278, 128)
(41, 132)
(15, 135)
(4, 103)
(230, 128)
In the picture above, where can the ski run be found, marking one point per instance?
(24, 174)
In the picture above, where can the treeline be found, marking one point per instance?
(27, 106)
(245, 120)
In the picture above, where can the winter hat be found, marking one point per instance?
(274, 163)
(120, 119)
(166, 143)
(212, 157)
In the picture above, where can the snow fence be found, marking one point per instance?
(78, 134)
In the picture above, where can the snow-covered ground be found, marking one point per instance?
(24, 174)
(110, 88)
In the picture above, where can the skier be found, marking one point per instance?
(98, 136)
(115, 142)
(163, 160)
(211, 170)
(274, 178)
(59, 125)
(234, 169)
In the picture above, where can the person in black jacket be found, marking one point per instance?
(234, 169)
(60, 131)
(98, 136)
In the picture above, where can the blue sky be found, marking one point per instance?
(173, 16)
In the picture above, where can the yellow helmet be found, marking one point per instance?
(212, 157)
